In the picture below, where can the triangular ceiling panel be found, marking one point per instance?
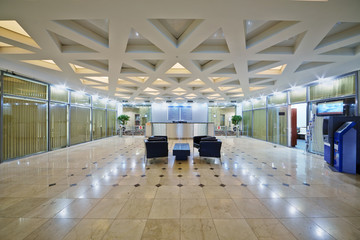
(12, 30)
(124, 82)
(309, 65)
(179, 89)
(261, 82)
(102, 79)
(99, 64)
(196, 82)
(129, 69)
(10, 49)
(207, 90)
(218, 79)
(150, 64)
(288, 46)
(160, 82)
(139, 44)
(176, 30)
(50, 64)
(96, 30)
(254, 65)
(226, 70)
(139, 79)
(178, 69)
(179, 79)
(349, 50)
(81, 70)
(88, 82)
(340, 32)
(232, 83)
(225, 88)
(216, 43)
(255, 88)
(258, 31)
(67, 45)
(205, 64)
(273, 71)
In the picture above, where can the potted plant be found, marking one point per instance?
(236, 119)
(123, 119)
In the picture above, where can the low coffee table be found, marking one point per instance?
(181, 151)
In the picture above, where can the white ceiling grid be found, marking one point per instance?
(194, 50)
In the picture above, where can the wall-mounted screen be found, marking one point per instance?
(330, 108)
(179, 113)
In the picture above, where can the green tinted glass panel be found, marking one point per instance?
(99, 120)
(99, 103)
(298, 95)
(278, 99)
(277, 125)
(259, 128)
(24, 129)
(79, 125)
(247, 123)
(79, 98)
(111, 123)
(339, 87)
(25, 88)
(247, 106)
(58, 125)
(259, 103)
(59, 94)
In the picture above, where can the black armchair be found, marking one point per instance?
(196, 141)
(156, 147)
(158, 136)
(210, 147)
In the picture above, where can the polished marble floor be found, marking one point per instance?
(104, 190)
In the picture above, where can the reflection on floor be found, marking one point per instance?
(103, 190)
(301, 144)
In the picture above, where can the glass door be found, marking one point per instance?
(277, 125)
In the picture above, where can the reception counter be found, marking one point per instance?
(179, 130)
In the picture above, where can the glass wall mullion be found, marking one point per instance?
(1, 117)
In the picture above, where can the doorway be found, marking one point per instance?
(298, 125)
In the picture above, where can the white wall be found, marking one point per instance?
(301, 114)
(159, 111)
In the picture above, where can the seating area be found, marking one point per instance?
(208, 146)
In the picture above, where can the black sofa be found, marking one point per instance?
(208, 146)
(156, 146)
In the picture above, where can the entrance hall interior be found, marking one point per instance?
(180, 120)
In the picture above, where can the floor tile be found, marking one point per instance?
(223, 208)
(162, 229)
(253, 208)
(195, 208)
(124, 229)
(136, 208)
(199, 229)
(89, 229)
(107, 208)
(165, 208)
(269, 229)
(234, 229)
(55, 228)
(305, 228)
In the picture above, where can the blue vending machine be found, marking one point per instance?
(345, 148)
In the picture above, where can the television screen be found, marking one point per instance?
(330, 108)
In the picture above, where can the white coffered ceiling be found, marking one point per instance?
(202, 50)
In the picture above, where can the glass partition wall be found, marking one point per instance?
(267, 118)
(37, 117)
(221, 117)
